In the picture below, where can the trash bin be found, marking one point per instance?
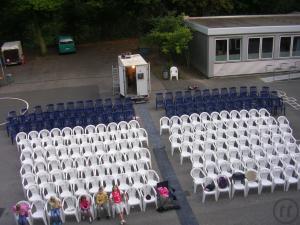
(9, 78)
(165, 74)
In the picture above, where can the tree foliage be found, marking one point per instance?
(38, 22)
(171, 35)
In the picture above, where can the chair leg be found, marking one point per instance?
(195, 188)
(203, 198)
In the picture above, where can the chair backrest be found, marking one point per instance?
(173, 70)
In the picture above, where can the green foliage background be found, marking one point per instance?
(38, 21)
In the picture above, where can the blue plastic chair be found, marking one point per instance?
(224, 93)
(215, 93)
(232, 92)
(159, 100)
(206, 94)
(70, 106)
(253, 91)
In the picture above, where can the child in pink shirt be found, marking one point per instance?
(85, 206)
(22, 211)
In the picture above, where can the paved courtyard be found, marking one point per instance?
(87, 75)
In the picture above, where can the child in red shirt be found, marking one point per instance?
(118, 204)
(85, 206)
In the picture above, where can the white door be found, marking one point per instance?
(142, 80)
(122, 80)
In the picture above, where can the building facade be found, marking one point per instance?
(237, 45)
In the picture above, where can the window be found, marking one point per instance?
(285, 46)
(296, 46)
(234, 49)
(221, 50)
(253, 48)
(228, 49)
(267, 48)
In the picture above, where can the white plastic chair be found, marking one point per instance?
(195, 119)
(235, 116)
(175, 143)
(277, 177)
(91, 209)
(238, 185)
(33, 135)
(123, 181)
(48, 190)
(138, 181)
(44, 133)
(123, 126)
(56, 176)
(41, 178)
(21, 137)
(38, 211)
(143, 136)
(225, 168)
(197, 160)
(79, 187)
(211, 169)
(283, 122)
(64, 189)
(148, 190)
(28, 180)
(291, 177)
(151, 178)
(108, 183)
(205, 192)
(55, 132)
(26, 169)
(225, 189)
(134, 198)
(112, 128)
(198, 176)
(251, 180)
(69, 207)
(225, 115)
(265, 179)
(173, 72)
(33, 193)
(134, 125)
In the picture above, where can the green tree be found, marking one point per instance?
(171, 35)
(40, 14)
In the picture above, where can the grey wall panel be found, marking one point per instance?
(198, 50)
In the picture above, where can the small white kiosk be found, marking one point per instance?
(134, 76)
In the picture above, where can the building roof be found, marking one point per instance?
(132, 60)
(246, 24)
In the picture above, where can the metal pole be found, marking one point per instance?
(2, 70)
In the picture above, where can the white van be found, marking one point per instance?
(12, 53)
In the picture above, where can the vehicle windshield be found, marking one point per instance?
(66, 42)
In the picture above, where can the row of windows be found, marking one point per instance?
(229, 49)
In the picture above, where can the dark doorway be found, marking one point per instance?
(131, 80)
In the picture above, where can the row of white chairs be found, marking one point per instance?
(79, 130)
(79, 186)
(254, 179)
(38, 155)
(229, 119)
(258, 157)
(109, 161)
(94, 138)
(40, 209)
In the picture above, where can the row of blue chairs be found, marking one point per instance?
(70, 114)
(197, 103)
